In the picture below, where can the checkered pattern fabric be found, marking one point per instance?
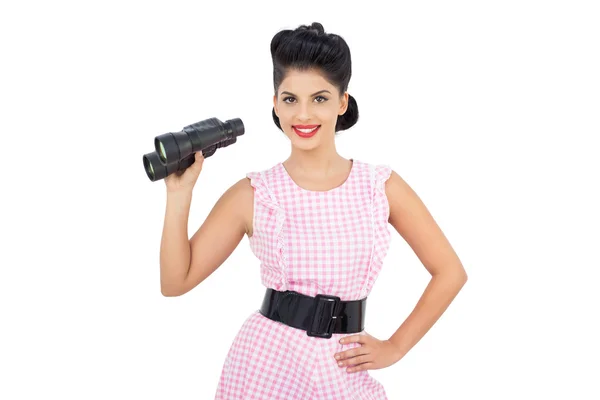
(328, 242)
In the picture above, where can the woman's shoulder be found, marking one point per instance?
(255, 178)
(379, 171)
(259, 177)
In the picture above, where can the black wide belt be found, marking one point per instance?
(319, 316)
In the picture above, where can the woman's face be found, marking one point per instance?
(308, 108)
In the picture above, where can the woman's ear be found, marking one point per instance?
(344, 104)
(275, 105)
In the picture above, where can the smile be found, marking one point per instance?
(306, 131)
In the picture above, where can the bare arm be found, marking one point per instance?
(412, 220)
(186, 263)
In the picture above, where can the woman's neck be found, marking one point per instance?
(324, 160)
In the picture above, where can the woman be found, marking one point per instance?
(318, 222)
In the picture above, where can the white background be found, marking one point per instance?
(489, 110)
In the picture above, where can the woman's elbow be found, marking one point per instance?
(171, 290)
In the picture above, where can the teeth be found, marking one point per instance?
(307, 130)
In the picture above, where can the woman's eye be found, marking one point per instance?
(323, 99)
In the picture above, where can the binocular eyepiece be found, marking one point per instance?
(174, 151)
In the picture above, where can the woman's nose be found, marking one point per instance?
(303, 112)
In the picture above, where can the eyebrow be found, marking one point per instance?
(314, 94)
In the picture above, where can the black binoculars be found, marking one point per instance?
(174, 152)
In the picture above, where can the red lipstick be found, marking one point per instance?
(306, 131)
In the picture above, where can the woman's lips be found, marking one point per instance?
(306, 131)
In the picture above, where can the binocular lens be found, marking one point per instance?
(156, 170)
(149, 160)
(162, 152)
(167, 148)
(150, 171)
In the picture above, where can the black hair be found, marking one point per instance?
(309, 47)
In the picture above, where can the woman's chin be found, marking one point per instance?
(303, 144)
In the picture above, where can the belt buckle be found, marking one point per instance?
(322, 318)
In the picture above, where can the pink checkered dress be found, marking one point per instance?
(330, 242)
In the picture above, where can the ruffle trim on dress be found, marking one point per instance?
(380, 212)
(264, 196)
